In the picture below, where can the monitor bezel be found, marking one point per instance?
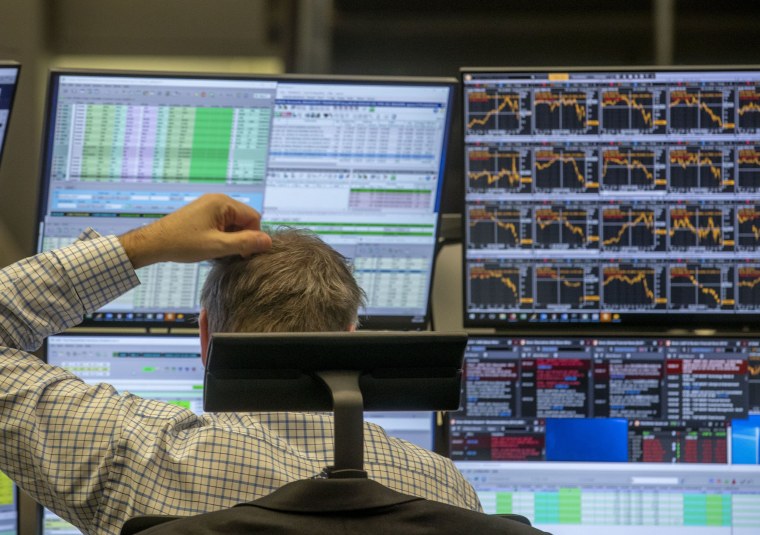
(643, 321)
(373, 322)
(5, 64)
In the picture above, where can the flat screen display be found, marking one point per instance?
(608, 196)
(169, 369)
(599, 434)
(8, 82)
(359, 161)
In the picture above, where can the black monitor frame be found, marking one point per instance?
(189, 320)
(642, 322)
(5, 64)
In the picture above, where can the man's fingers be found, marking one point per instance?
(245, 242)
(212, 226)
(240, 216)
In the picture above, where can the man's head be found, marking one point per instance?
(300, 285)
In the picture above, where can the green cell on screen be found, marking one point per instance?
(570, 506)
(6, 490)
(211, 144)
(504, 503)
(180, 403)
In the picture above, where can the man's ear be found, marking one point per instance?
(203, 331)
(351, 328)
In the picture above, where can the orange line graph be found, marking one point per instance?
(629, 160)
(681, 219)
(512, 174)
(749, 156)
(513, 101)
(551, 273)
(630, 277)
(684, 158)
(577, 100)
(691, 100)
(480, 273)
(546, 217)
(747, 214)
(751, 276)
(477, 216)
(683, 272)
(575, 229)
(614, 97)
(552, 157)
(753, 105)
(747, 108)
(643, 217)
(513, 178)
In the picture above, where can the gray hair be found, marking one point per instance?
(300, 285)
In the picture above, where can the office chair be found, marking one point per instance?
(347, 373)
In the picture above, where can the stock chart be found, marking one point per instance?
(611, 195)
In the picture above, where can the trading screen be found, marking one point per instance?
(583, 434)
(169, 368)
(359, 162)
(611, 196)
(8, 81)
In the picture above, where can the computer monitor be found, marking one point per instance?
(601, 434)
(612, 196)
(169, 368)
(359, 161)
(8, 80)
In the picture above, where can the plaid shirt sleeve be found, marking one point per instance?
(50, 292)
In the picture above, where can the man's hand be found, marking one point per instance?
(211, 226)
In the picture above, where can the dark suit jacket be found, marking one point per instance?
(341, 506)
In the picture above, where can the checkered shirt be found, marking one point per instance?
(97, 457)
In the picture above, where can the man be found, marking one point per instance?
(97, 457)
